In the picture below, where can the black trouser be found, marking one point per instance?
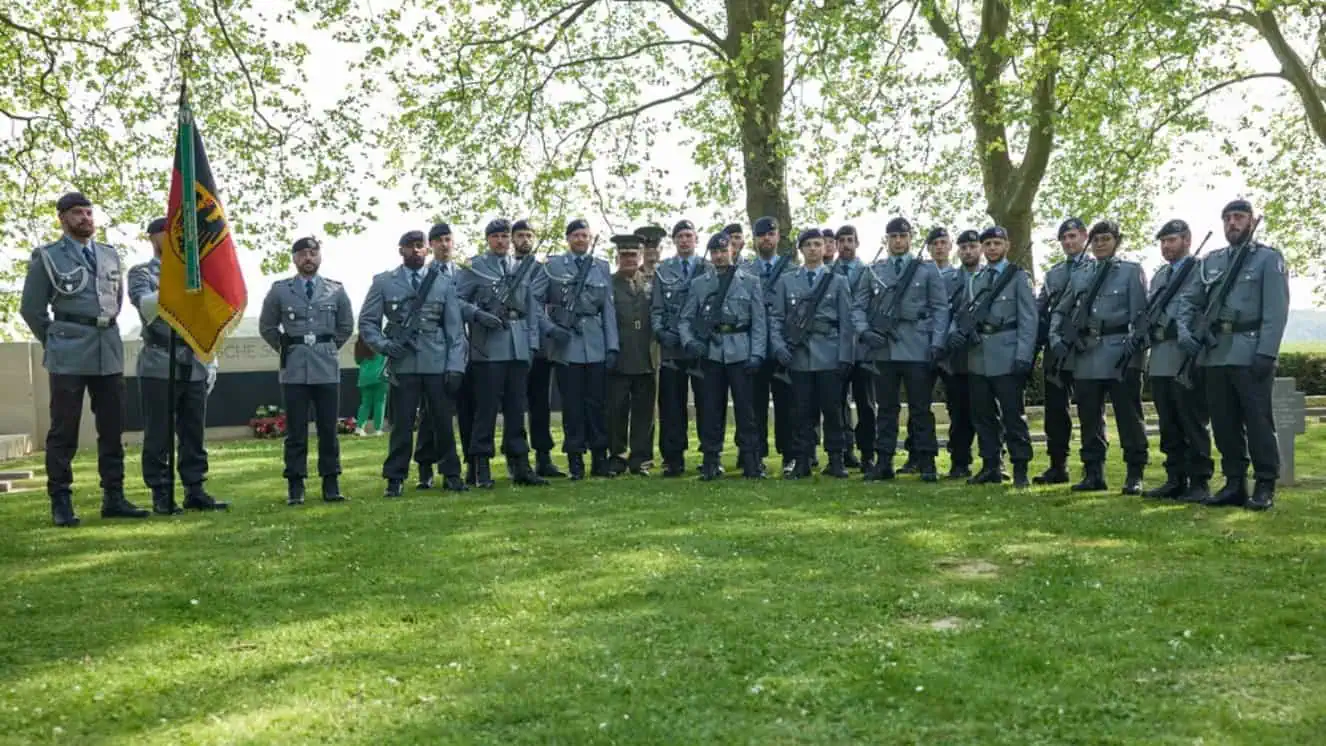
(426, 451)
(961, 430)
(583, 387)
(815, 396)
(631, 416)
(413, 389)
(916, 378)
(324, 399)
(673, 421)
(190, 420)
(764, 385)
(1241, 421)
(996, 408)
(107, 393)
(1058, 418)
(499, 386)
(1126, 398)
(719, 380)
(538, 391)
(1185, 435)
(862, 388)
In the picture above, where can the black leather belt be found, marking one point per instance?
(307, 339)
(732, 328)
(1241, 327)
(100, 322)
(992, 329)
(1106, 331)
(823, 327)
(1167, 333)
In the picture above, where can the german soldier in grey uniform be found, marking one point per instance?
(581, 326)
(1237, 356)
(193, 384)
(860, 384)
(631, 385)
(768, 265)
(426, 455)
(307, 319)
(504, 333)
(538, 384)
(1058, 396)
(430, 370)
(1185, 434)
(819, 365)
(953, 368)
(905, 353)
(999, 356)
(1119, 301)
(671, 286)
(79, 282)
(736, 337)
(736, 241)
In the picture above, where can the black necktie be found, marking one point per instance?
(897, 266)
(414, 280)
(90, 256)
(810, 280)
(308, 289)
(685, 269)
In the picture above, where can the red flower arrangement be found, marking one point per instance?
(268, 422)
(346, 425)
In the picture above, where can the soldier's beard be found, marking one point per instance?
(1236, 237)
(413, 262)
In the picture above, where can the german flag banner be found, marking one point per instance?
(202, 288)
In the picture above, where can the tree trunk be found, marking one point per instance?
(1017, 220)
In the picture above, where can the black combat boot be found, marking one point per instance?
(616, 466)
(294, 491)
(331, 489)
(196, 498)
(598, 465)
(926, 467)
(521, 473)
(674, 466)
(1233, 494)
(837, 467)
(576, 465)
(883, 469)
(1132, 482)
(637, 467)
(958, 471)
(751, 468)
(394, 488)
(426, 477)
(471, 478)
(1020, 475)
(483, 473)
(544, 467)
(163, 503)
(114, 505)
(867, 462)
(1263, 495)
(1199, 490)
(1174, 488)
(803, 466)
(992, 472)
(62, 509)
(850, 460)
(1056, 474)
(709, 468)
(910, 466)
(1093, 478)
(453, 483)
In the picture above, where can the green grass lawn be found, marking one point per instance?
(665, 612)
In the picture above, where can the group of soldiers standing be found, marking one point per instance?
(804, 330)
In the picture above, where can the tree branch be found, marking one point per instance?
(1295, 71)
(6, 20)
(580, 6)
(951, 39)
(253, 89)
(699, 28)
(589, 129)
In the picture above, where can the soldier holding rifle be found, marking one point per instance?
(1059, 387)
(678, 369)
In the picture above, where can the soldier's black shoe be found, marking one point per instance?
(1199, 490)
(814, 461)
(1093, 479)
(1263, 495)
(394, 488)
(425, 477)
(521, 473)
(196, 498)
(850, 460)
(1174, 488)
(867, 462)
(163, 503)
(637, 468)
(62, 510)
(672, 469)
(991, 473)
(909, 466)
(616, 466)
(803, 467)
(1056, 474)
(1132, 483)
(483, 473)
(453, 483)
(789, 465)
(1233, 494)
(470, 478)
(882, 470)
(709, 468)
(837, 467)
(598, 465)
(927, 469)
(958, 471)
(751, 466)
(544, 467)
(576, 465)
(1020, 480)
(114, 505)
(331, 490)
(294, 492)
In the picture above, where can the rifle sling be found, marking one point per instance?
(719, 296)
(982, 314)
(817, 295)
(417, 302)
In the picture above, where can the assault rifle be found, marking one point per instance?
(1079, 320)
(1154, 316)
(884, 319)
(976, 312)
(799, 324)
(1203, 324)
(564, 314)
(498, 302)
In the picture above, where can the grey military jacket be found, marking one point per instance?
(538, 283)
(440, 347)
(743, 315)
(995, 353)
(288, 312)
(60, 282)
(851, 270)
(478, 285)
(1253, 319)
(1166, 358)
(595, 332)
(671, 290)
(1120, 303)
(922, 318)
(955, 285)
(154, 357)
(830, 345)
(1055, 287)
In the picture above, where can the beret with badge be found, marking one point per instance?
(718, 242)
(579, 224)
(1173, 228)
(766, 224)
(438, 230)
(994, 231)
(71, 200)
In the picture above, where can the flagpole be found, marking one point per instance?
(170, 412)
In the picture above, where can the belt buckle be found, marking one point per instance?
(310, 339)
(1158, 335)
(637, 324)
(1227, 327)
(103, 322)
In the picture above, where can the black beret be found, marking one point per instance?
(846, 230)
(410, 237)
(733, 229)
(651, 235)
(827, 233)
(521, 225)
(682, 225)
(1238, 205)
(1172, 228)
(578, 224)
(969, 236)
(70, 200)
(308, 242)
(807, 235)
(898, 225)
(936, 234)
(439, 230)
(994, 231)
(765, 225)
(1104, 227)
(627, 242)
(718, 241)
(500, 225)
(1071, 224)
(156, 226)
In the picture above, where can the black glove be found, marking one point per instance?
(610, 359)
(487, 320)
(559, 334)
(784, 356)
(1022, 368)
(697, 349)
(452, 381)
(669, 339)
(873, 339)
(1263, 366)
(936, 355)
(1059, 351)
(753, 364)
(956, 341)
(1189, 345)
(394, 350)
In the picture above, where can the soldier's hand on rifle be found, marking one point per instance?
(1189, 345)
(487, 320)
(1022, 368)
(956, 341)
(610, 359)
(559, 334)
(873, 339)
(936, 355)
(1059, 351)
(1136, 345)
(753, 364)
(394, 350)
(1263, 366)
(784, 356)
(696, 348)
(668, 339)
(452, 383)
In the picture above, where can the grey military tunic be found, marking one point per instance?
(671, 290)
(830, 344)
(851, 270)
(1253, 319)
(1166, 358)
(1056, 286)
(288, 311)
(743, 332)
(441, 345)
(1011, 325)
(477, 285)
(922, 317)
(595, 332)
(1120, 302)
(154, 357)
(955, 285)
(61, 284)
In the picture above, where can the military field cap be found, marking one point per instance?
(410, 237)
(1172, 228)
(898, 226)
(307, 242)
(846, 230)
(733, 229)
(439, 230)
(827, 233)
(807, 235)
(969, 236)
(765, 225)
(1238, 205)
(500, 225)
(682, 225)
(1071, 224)
(935, 234)
(718, 241)
(1105, 227)
(994, 231)
(651, 235)
(578, 224)
(71, 200)
(156, 226)
(521, 225)
(627, 242)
